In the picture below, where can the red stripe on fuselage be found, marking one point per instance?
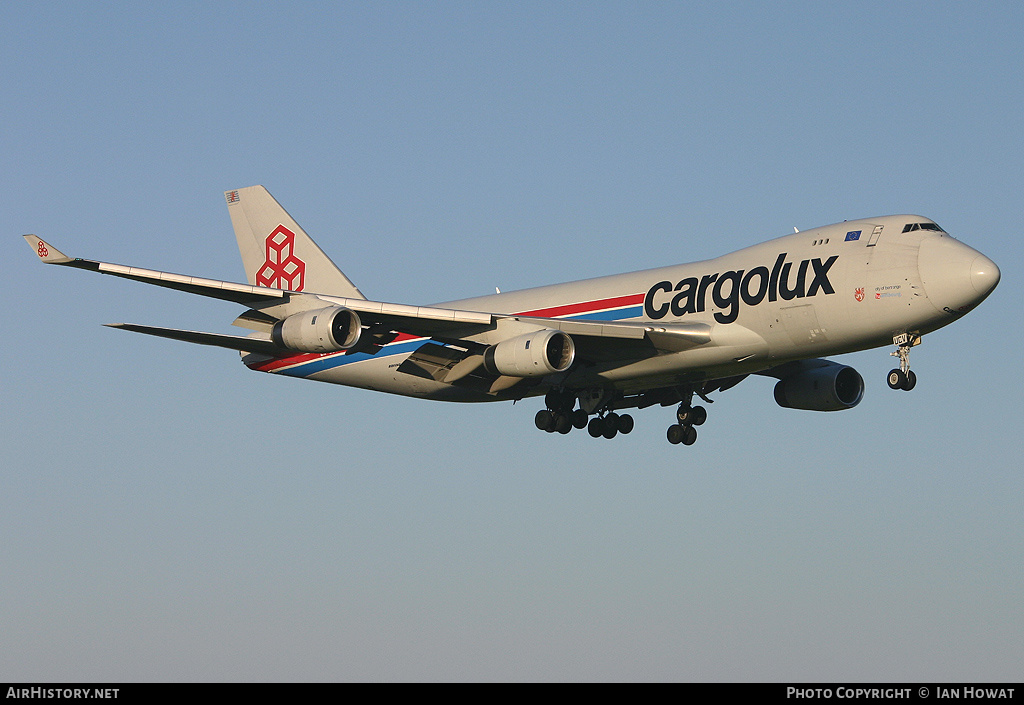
(586, 306)
(278, 363)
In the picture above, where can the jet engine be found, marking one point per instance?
(533, 354)
(831, 387)
(323, 330)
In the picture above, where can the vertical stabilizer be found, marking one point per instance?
(276, 252)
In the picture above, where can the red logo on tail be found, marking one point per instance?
(282, 270)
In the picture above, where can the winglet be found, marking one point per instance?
(47, 252)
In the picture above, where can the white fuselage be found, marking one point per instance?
(826, 291)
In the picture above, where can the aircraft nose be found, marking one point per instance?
(984, 275)
(956, 277)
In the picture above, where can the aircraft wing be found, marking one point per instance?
(231, 342)
(268, 305)
(228, 291)
(418, 320)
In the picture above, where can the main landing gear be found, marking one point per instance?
(688, 416)
(903, 377)
(597, 411)
(560, 417)
(610, 425)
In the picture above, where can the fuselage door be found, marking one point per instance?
(874, 236)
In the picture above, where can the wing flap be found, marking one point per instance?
(433, 361)
(399, 316)
(457, 366)
(644, 338)
(668, 338)
(598, 329)
(213, 288)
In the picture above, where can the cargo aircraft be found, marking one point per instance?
(596, 347)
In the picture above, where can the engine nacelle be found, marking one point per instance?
(323, 330)
(531, 355)
(832, 387)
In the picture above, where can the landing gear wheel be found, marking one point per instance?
(691, 415)
(625, 424)
(545, 420)
(559, 400)
(579, 419)
(611, 426)
(563, 424)
(911, 381)
(678, 433)
(596, 427)
(689, 435)
(898, 380)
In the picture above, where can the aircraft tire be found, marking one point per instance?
(689, 435)
(579, 419)
(625, 424)
(910, 382)
(563, 424)
(698, 415)
(596, 427)
(675, 434)
(552, 399)
(544, 420)
(896, 379)
(559, 400)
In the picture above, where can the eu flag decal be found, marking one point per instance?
(853, 235)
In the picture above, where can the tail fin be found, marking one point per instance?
(276, 252)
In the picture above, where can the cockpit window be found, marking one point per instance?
(922, 226)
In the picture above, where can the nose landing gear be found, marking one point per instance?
(903, 377)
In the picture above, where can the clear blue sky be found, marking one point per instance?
(168, 515)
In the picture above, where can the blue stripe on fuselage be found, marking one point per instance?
(618, 314)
